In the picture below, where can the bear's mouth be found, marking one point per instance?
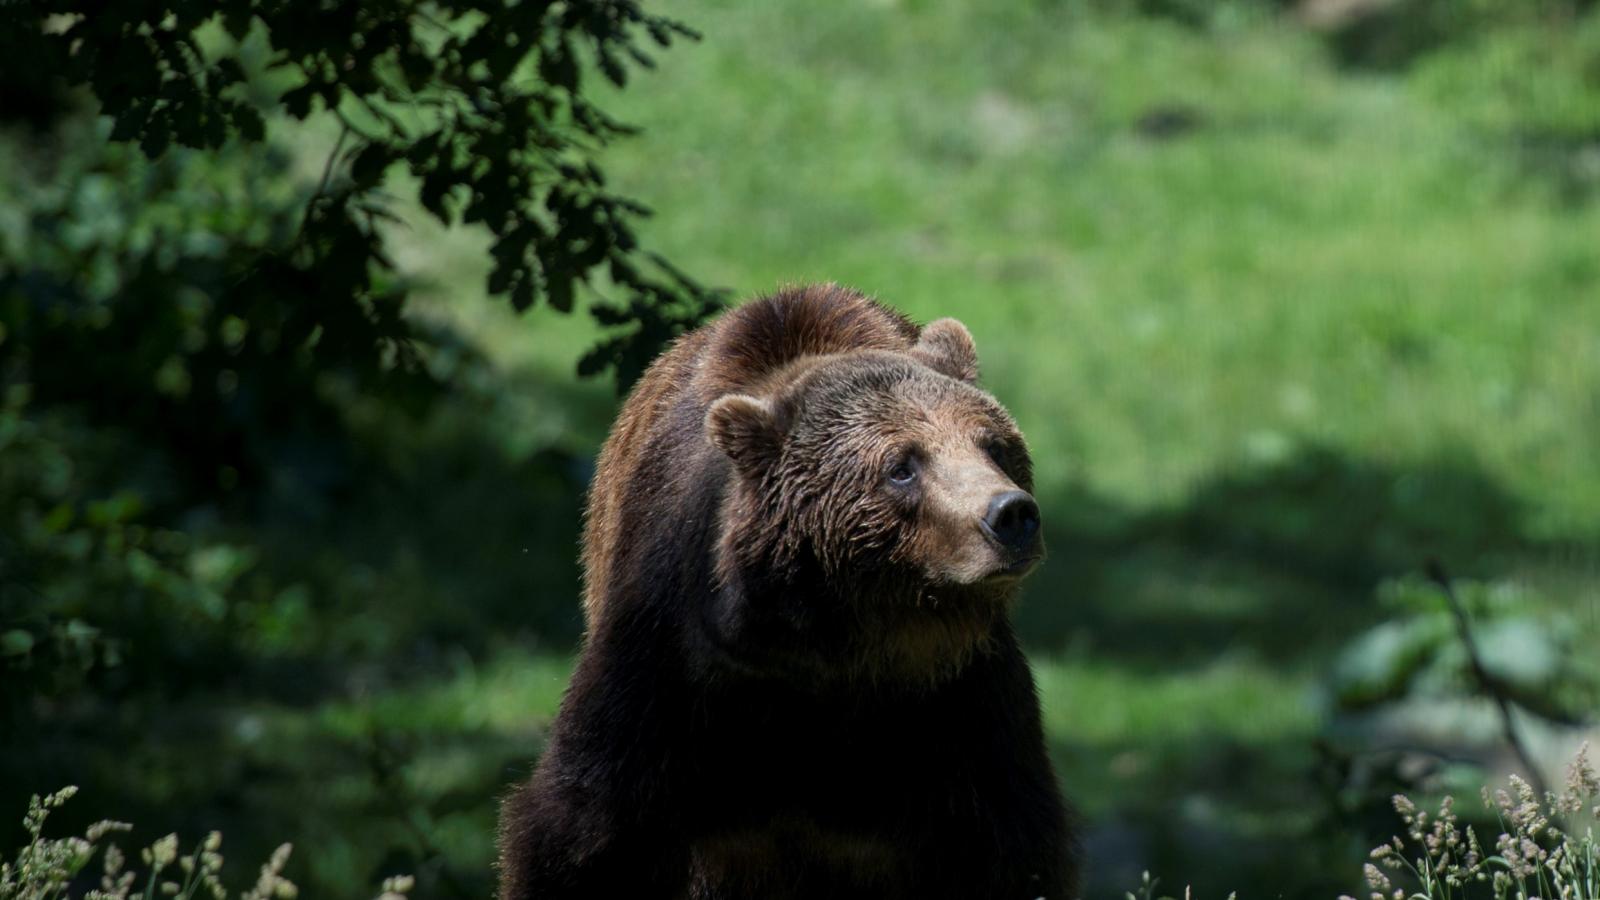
(1016, 568)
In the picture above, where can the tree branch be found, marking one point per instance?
(327, 175)
(1487, 684)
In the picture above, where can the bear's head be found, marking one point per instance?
(881, 515)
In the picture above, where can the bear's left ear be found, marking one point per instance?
(945, 345)
(746, 429)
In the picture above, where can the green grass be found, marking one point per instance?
(1324, 260)
(1328, 328)
(453, 737)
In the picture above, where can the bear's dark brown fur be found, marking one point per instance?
(799, 678)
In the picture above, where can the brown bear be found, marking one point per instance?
(799, 678)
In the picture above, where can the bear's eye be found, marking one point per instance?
(904, 472)
(997, 452)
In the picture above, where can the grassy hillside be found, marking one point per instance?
(1275, 329)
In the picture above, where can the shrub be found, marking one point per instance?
(1538, 853)
(49, 868)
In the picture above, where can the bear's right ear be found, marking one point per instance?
(945, 345)
(746, 429)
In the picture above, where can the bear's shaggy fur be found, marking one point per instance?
(799, 678)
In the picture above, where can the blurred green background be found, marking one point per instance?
(1289, 299)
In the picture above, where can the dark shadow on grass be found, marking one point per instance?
(1279, 559)
(1363, 35)
(1566, 160)
(1207, 812)
(1279, 818)
(382, 561)
(448, 545)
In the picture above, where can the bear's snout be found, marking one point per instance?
(1012, 521)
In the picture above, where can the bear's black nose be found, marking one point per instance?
(1013, 520)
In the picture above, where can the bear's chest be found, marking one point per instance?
(847, 776)
(794, 857)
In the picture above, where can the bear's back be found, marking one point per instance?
(657, 445)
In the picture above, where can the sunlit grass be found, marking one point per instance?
(1317, 258)
(1093, 702)
(1304, 263)
(513, 692)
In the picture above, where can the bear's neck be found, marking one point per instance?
(774, 613)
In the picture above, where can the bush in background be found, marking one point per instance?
(189, 333)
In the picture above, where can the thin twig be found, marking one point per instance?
(327, 175)
(1486, 683)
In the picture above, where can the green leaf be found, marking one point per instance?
(1379, 665)
(59, 518)
(1520, 652)
(15, 642)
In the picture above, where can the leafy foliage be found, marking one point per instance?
(482, 102)
(157, 366)
(187, 329)
(1534, 659)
